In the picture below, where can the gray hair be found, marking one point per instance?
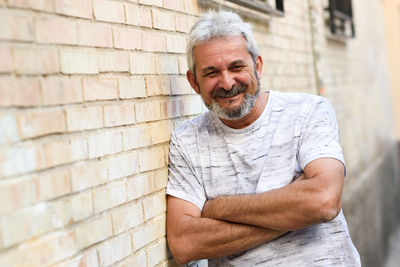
(219, 24)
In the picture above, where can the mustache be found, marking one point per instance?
(235, 90)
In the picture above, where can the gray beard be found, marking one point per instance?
(234, 113)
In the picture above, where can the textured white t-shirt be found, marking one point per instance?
(209, 159)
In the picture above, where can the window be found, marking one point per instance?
(341, 18)
(272, 7)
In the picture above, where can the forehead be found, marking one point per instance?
(220, 50)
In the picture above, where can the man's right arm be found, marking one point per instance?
(191, 237)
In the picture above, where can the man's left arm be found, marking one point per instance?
(315, 197)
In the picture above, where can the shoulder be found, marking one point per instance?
(298, 98)
(299, 103)
(188, 131)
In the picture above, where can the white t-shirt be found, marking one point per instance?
(209, 159)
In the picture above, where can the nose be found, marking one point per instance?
(226, 80)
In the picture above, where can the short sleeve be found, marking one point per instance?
(320, 137)
(183, 182)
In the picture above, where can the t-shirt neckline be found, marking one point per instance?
(266, 110)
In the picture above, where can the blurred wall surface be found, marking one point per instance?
(391, 15)
(90, 91)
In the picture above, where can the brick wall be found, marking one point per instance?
(90, 91)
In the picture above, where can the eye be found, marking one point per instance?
(237, 67)
(211, 74)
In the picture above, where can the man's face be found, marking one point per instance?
(226, 76)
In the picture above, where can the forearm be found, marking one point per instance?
(204, 238)
(296, 206)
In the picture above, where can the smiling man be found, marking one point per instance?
(256, 180)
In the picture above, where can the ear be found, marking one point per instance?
(259, 66)
(193, 81)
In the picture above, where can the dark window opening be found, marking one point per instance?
(341, 18)
(274, 7)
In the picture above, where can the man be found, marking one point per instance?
(258, 179)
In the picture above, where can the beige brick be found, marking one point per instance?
(99, 89)
(161, 132)
(65, 151)
(19, 92)
(144, 234)
(88, 258)
(180, 86)
(145, 18)
(158, 85)
(113, 61)
(115, 249)
(25, 224)
(132, 88)
(167, 64)
(84, 118)
(183, 23)
(126, 38)
(104, 143)
(119, 114)
(35, 61)
(21, 159)
(176, 5)
(15, 194)
(142, 63)
(51, 184)
(127, 217)
(76, 8)
(149, 111)
(111, 11)
(123, 165)
(88, 174)
(163, 20)
(56, 30)
(176, 44)
(8, 128)
(138, 259)
(94, 34)
(15, 27)
(90, 233)
(192, 7)
(161, 222)
(6, 63)
(109, 196)
(151, 158)
(133, 14)
(157, 252)
(136, 137)
(161, 178)
(140, 186)
(154, 205)
(61, 90)
(39, 123)
(72, 209)
(154, 41)
(171, 109)
(183, 67)
(151, 2)
(41, 252)
(43, 5)
(78, 61)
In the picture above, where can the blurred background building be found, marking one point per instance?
(90, 91)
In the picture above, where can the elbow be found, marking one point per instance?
(178, 250)
(329, 209)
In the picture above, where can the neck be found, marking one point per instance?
(252, 116)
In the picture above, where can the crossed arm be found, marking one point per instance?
(230, 224)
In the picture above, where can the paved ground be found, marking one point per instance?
(393, 259)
